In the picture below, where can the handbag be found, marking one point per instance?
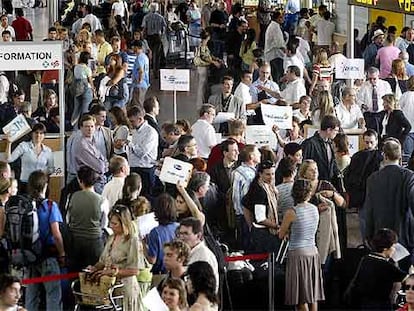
(197, 58)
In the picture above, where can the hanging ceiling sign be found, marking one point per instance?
(399, 6)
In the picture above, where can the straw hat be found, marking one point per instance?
(377, 33)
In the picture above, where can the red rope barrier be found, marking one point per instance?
(72, 275)
(50, 278)
(247, 257)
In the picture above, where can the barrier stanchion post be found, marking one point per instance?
(271, 276)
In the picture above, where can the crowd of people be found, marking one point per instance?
(250, 197)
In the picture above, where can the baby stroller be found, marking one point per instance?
(105, 295)
(178, 45)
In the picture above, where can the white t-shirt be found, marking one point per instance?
(349, 118)
(205, 136)
(325, 31)
(119, 8)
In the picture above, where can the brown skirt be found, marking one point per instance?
(304, 282)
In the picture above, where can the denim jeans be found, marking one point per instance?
(53, 289)
(81, 106)
(408, 146)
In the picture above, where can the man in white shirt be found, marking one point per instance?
(119, 168)
(336, 55)
(243, 90)
(325, 29)
(295, 87)
(348, 112)
(191, 232)
(314, 19)
(364, 95)
(103, 135)
(275, 45)
(203, 130)
(143, 148)
(369, 97)
(264, 90)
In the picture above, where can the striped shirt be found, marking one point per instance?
(131, 62)
(241, 180)
(303, 229)
(154, 24)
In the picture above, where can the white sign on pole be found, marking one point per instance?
(17, 128)
(34, 56)
(174, 170)
(175, 80)
(59, 162)
(350, 68)
(353, 144)
(277, 115)
(261, 135)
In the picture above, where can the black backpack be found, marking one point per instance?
(22, 231)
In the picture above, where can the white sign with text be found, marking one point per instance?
(174, 170)
(350, 68)
(175, 80)
(261, 135)
(45, 55)
(277, 115)
(17, 128)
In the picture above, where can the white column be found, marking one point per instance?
(350, 37)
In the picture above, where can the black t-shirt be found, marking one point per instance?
(375, 280)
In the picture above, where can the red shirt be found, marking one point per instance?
(23, 29)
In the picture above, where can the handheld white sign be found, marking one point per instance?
(277, 115)
(17, 128)
(350, 68)
(174, 170)
(260, 135)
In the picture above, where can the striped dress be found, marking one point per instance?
(304, 282)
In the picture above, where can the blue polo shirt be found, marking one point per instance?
(46, 218)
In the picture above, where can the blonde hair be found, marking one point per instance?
(140, 206)
(124, 216)
(390, 98)
(398, 69)
(322, 58)
(325, 105)
(304, 167)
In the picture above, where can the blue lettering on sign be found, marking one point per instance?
(351, 68)
(17, 126)
(178, 167)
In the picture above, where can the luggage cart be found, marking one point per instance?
(178, 45)
(113, 301)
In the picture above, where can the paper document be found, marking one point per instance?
(153, 302)
(146, 223)
(224, 117)
(400, 252)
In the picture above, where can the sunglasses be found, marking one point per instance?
(408, 287)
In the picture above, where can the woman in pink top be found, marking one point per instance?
(385, 56)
